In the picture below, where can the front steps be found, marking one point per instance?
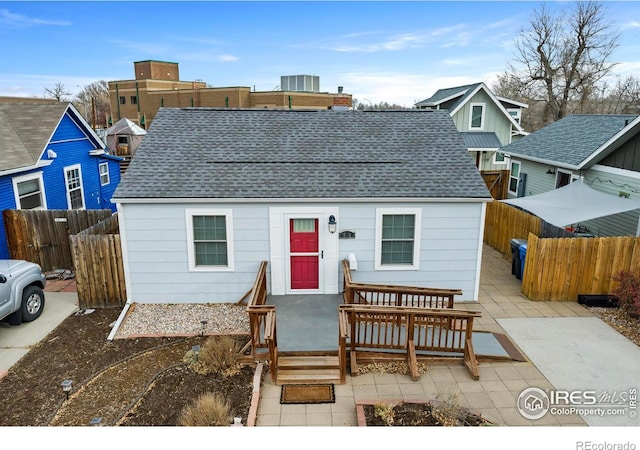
(308, 370)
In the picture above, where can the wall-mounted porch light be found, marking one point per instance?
(333, 225)
(551, 171)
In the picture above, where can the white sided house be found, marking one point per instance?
(213, 192)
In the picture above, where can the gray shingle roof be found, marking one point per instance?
(25, 130)
(443, 94)
(481, 139)
(569, 141)
(222, 153)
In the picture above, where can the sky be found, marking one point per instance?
(380, 51)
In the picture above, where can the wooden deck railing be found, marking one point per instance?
(389, 295)
(413, 333)
(262, 322)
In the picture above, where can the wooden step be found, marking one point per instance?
(308, 369)
(308, 362)
(317, 376)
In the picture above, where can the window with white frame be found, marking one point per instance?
(397, 244)
(499, 158)
(104, 173)
(564, 178)
(514, 177)
(75, 196)
(476, 119)
(210, 239)
(29, 191)
(516, 113)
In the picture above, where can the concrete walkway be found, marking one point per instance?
(16, 341)
(494, 395)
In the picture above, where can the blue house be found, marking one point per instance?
(50, 158)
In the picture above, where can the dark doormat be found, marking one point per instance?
(307, 393)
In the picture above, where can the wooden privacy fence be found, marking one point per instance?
(563, 268)
(497, 182)
(504, 222)
(42, 236)
(99, 270)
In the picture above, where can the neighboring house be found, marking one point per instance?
(603, 149)
(50, 158)
(123, 138)
(486, 121)
(302, 190)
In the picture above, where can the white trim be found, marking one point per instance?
(499, 163)
(443, 100)
(124, 247)
(513, 102)
(494, 99)
(511, 163)
(66, 185)
(476, 288)
(572, 177)
(287, 259)
(105, 164)
(279, 248)
(28, 177)
(482, 115)
(86, 138)
(39, 165)
(417, 212)
(613, 140)
(158, 200)
(616, 171)
(228, 215)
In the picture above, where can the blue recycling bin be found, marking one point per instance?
(523, 255)
(516, 265)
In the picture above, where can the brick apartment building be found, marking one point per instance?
(157, 84)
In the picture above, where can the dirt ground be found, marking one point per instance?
(128, 382)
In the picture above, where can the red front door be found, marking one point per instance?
(304, 253)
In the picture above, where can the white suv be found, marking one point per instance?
(21, 291)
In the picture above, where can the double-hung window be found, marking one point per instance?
(397, 239)
(73, 178)
(210, 239)
(29, 191)
(514, 177)
(104, 174)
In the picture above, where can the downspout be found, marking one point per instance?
(118, 101)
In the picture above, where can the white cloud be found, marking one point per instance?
(28, 85)
(22, 21)
(400, 88)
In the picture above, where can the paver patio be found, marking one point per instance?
(494, 395)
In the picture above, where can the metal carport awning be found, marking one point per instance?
(573, 204)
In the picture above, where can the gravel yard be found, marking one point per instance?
(183, 320)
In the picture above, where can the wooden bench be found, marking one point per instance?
(393, 332)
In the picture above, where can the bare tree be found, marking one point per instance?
(93, 101)
(58, 92)
(561, 57)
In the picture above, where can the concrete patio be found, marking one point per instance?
(494, 395)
